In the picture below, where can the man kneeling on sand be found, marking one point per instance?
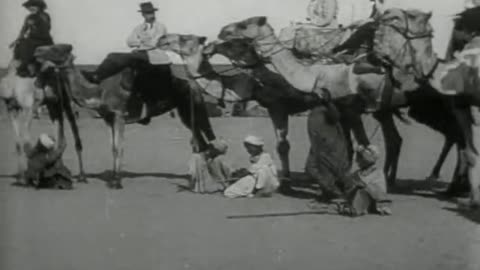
(366, 188)
(45, 166)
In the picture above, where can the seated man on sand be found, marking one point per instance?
(210, 171)
(260, 179)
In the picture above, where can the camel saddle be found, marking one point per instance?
(309, 41)
(57, 54)
(312, 43)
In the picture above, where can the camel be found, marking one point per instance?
(262, 37)
(22, 98)
(339, 79)
(269, 89)
(114, 98)
(403, 40)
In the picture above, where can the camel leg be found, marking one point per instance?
(117, 127)
(16, 118)
(72, 119)
(393, 144)
(280, 124)
(435, 175)
(352, 124)
(190, 120)
(459, 184)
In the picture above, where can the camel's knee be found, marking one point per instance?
(117, 151)
(78, 146)
(468, 158)
(19, 148)
(283, 147)
(397, 142)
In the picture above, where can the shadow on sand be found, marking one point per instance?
(422, 188)
(473, 216)
(108, 175)
(8, 176)
(299, 186)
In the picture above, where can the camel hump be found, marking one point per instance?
(57, 54)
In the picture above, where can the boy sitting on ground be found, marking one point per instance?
(260, 179)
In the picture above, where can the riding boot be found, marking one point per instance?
(107, 68)
(113, 64)
(91, 76)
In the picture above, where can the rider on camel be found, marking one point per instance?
(338, 13)
(143, 41)
(34, 33)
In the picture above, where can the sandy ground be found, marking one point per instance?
(152, 225)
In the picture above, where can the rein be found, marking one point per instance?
(257, 42)
(410, 36)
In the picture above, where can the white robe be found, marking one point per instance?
(263, 177)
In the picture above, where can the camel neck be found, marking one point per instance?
(287, 64)
(200, 68)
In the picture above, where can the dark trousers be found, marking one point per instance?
(114, 63)
(25, 53)
(149, 83)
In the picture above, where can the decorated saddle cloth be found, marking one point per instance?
(311, 42)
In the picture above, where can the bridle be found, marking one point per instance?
(409, 37)
(205, 75)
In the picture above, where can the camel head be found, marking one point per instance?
(404, 39)
(252, 28)
(184, 45)
(239, 50)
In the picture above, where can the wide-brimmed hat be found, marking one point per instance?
(37, 3)
(147, 7)
(46, 141)
(254, 140)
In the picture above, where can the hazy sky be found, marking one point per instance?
(96, 27)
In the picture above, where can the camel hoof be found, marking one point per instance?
(116, 185)
(285, 188)
(20, 183)
(433, 179)
(82, 179)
